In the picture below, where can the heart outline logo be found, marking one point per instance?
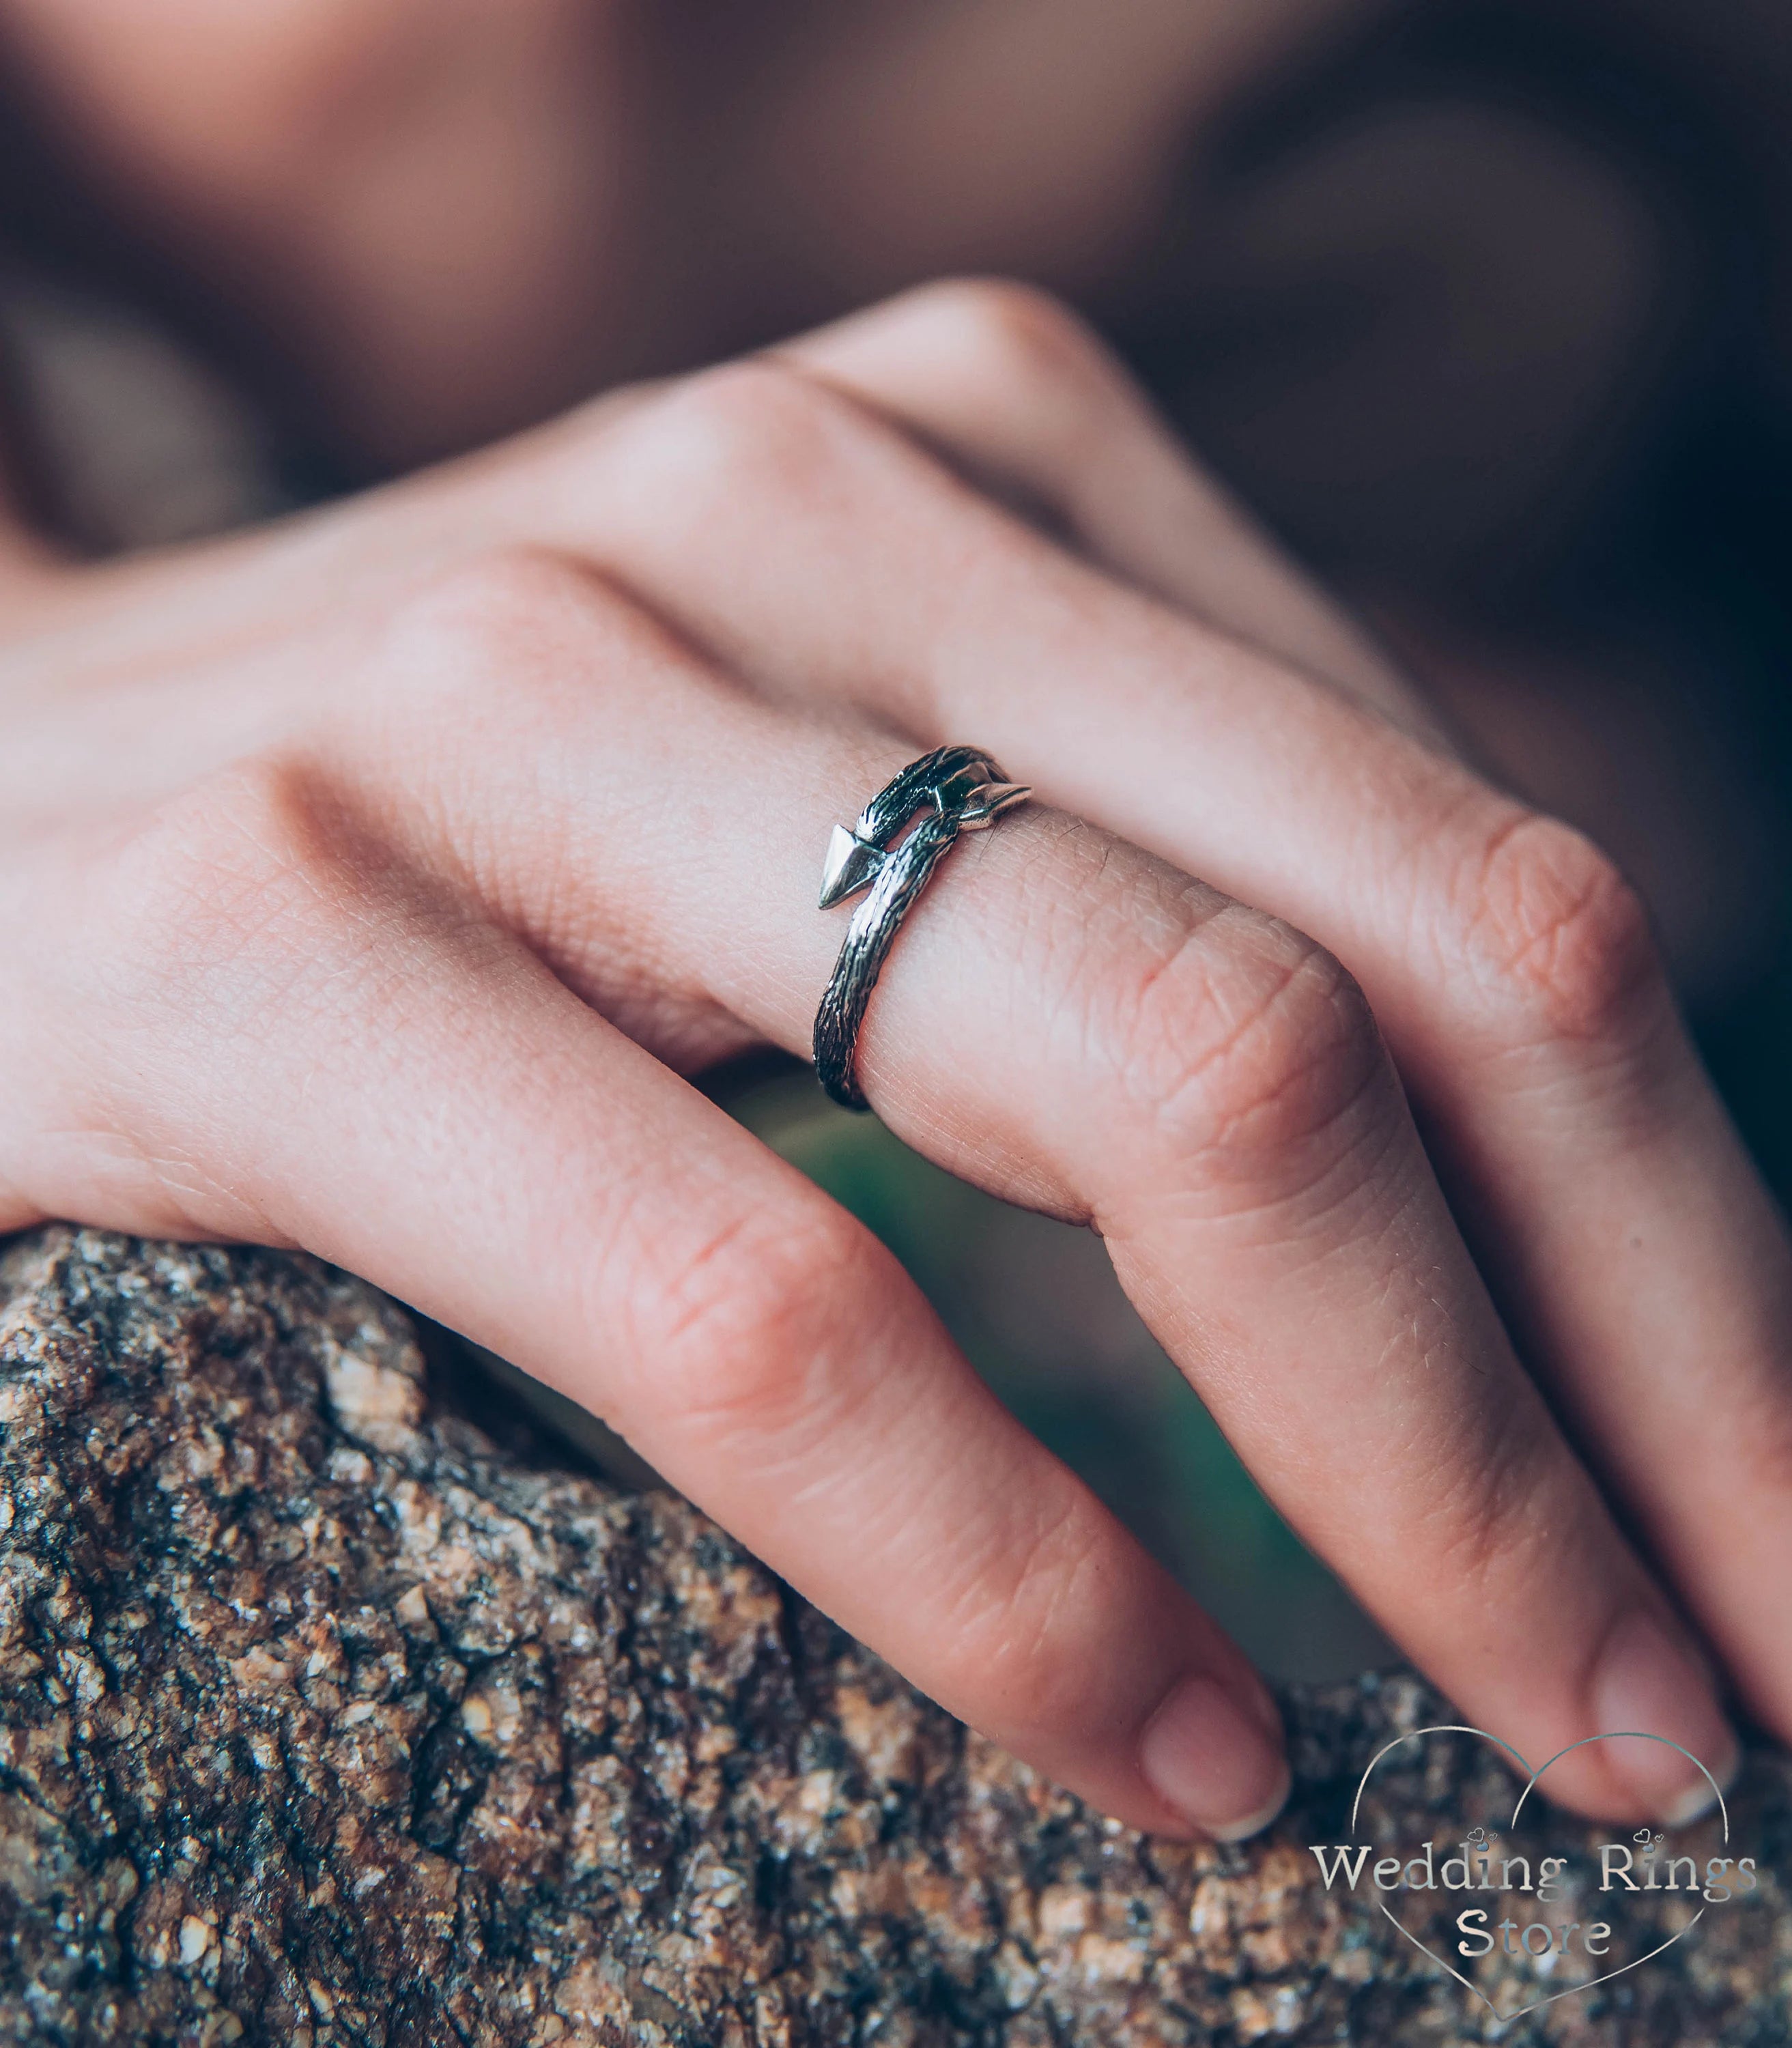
(1532, 1776)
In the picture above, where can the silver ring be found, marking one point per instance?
(951, 790)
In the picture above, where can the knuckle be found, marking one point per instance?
(1556, 935)
(1484, 1527)
(1249, 1050)
(1024, 1620)
(499, 647)
(757, 424)
(257, 826)
(751, 1331)
(244, 867)
(1019, 331)
(481, 615)
(225, 922)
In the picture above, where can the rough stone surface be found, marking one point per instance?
(324, 1720)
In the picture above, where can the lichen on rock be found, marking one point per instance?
(324, 1719)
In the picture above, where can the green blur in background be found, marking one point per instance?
(1036, 1308)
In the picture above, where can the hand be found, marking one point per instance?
(368, 884)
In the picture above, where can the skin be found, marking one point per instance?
(365, 886)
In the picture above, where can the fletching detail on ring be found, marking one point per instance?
(986, 803)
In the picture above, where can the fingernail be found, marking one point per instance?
(1648, 1686)
(1219, 1763)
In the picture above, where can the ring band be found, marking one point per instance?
(954, 789)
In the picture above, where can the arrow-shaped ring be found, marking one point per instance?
(890, 850)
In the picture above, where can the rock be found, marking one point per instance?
(326, 1720)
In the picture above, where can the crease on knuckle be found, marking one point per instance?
(1018, 332)
(491, 627)
(231, 918)
(758, 428)
(1020, 1621)
(493, 591)
(752, 1334)
(1559, 936)
(1479, 1513)
(1252, 1066)
(238, 871)
(488, 675)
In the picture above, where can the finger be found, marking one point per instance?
(1073, 1024)
(1000, 381)
(1508, 965)
(278, 1048)
(976, 370)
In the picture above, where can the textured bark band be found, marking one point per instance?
(954, 789)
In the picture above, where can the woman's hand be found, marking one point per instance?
(368, 885)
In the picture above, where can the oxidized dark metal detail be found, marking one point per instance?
(951, 790)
